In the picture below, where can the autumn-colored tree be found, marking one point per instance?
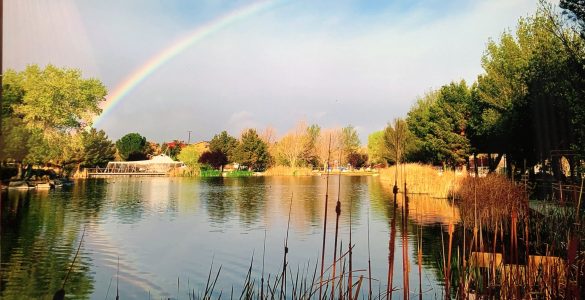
(172, 149)
(329, 146)
(291, 148)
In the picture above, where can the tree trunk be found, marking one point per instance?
(494, 163)
(475, 165)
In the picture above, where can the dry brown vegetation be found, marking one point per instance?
(423, 179)
(490, 200)
(288, 171)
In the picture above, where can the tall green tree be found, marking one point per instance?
(529, 101)
(439, 121)
(55, 99)
(98, 150)
(131, 146)
(350, 142)
(252, 152)
(43, 110)
(400, 145)
(225, 144)
(14, 141)
(377, 151)
(310, 155)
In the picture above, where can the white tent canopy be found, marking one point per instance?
(157, 164)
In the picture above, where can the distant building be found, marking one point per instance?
(157, 164)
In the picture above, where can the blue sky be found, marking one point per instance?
(332, 63)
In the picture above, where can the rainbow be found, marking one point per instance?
(155, 62)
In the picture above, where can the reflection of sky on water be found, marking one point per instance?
(164, 228)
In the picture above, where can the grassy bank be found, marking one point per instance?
(288, 171)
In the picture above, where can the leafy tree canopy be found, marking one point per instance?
(377, 151)
(131, 146)
(190, 157)
(350, 141)
(172, 149)
(53, 99)
(43, 112)
(225, 144)
(439, 121)
(252, 152)
(214, 159)
(98, 150)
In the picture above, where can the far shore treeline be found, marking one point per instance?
(529, 101)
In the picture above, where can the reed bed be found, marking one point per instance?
(490, 200)
(509, 251)
(423, 179)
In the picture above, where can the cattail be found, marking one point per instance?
(324, 223)
(337, 213)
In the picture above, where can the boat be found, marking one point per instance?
(43, 186)
(19, 185)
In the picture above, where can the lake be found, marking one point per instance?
(159, 236)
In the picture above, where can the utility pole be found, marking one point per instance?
(189, 140)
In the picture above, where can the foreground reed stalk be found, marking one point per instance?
(350, 278)
(419, 257)
(448, 267)
(391, 245)
(338, 213)
(284, 264)
(325, 223)
(369, 261)
(262, 278)
(60, 294)
(405, 265)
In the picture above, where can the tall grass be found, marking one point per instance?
(532, 253)
(424, 179)
(490, 200)
(288, 171)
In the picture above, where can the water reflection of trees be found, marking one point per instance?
(308, 196)
(226, 197)
(218, 199)
(39, 237)
(432, 215)
(255, 199)
(250, 199)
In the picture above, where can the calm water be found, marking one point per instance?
(165, 229)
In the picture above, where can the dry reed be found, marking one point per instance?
(490, 200)
(288, 171)
(425, 179)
